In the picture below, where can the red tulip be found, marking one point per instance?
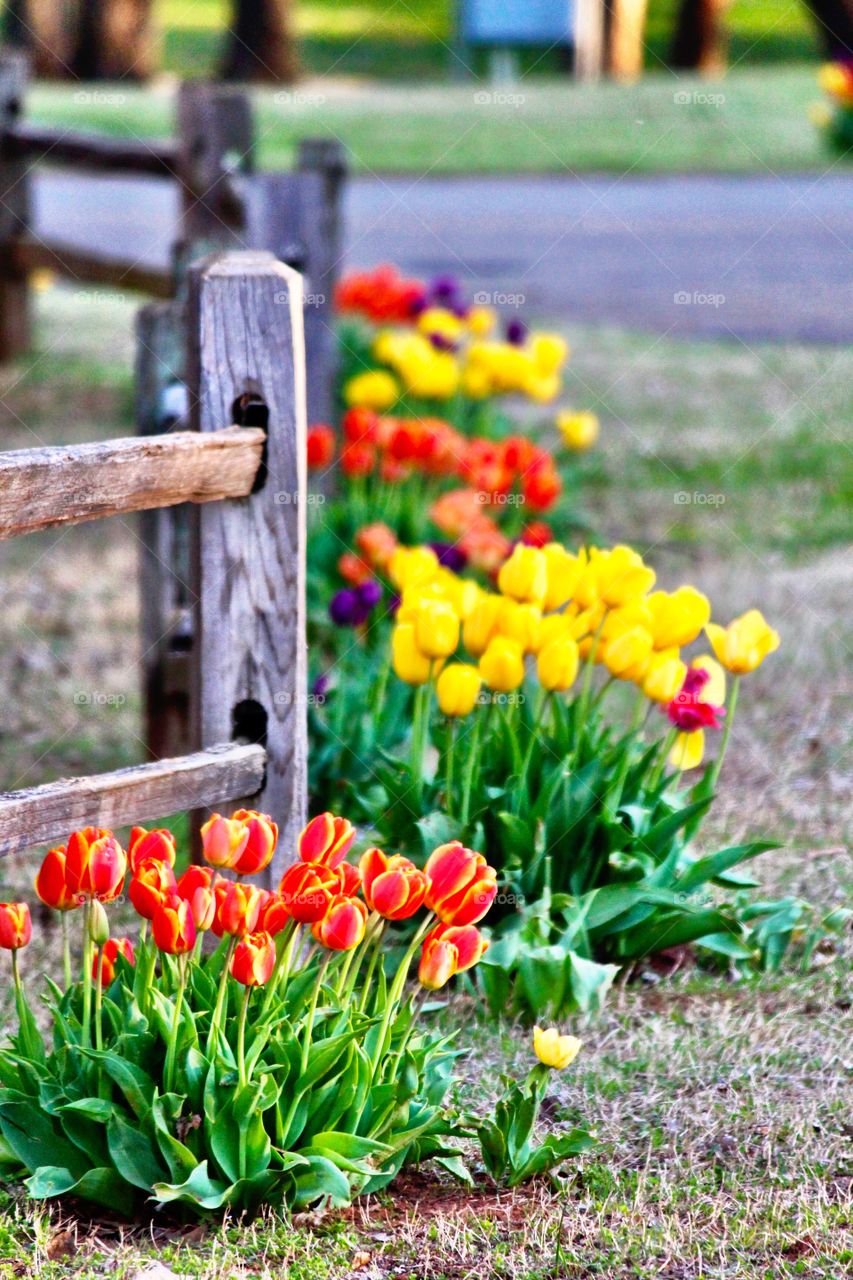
(16, 926)
(342, 927)
(326, 839)
(195, 886)
(260, 846)
(51, 885)
(438, 963)
(470, 944)
(461, 885)
(254, 959)
(108, 954)
(173, 927)
(321, 445)
(153, 882)
(237, 908)
(95, 864)
(307, 889)
(159, 844)
(393, 887)
(273, 915)
(223, 841)
(350, 879)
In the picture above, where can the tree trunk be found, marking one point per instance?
(699, 43)
(87, 39)
(834, 19)
(626, 29)
(260, 44)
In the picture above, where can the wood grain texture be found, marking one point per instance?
(322, 164)
(46, 814)
(245, 320)
(88, 266)
(14, 215)
(59, 485)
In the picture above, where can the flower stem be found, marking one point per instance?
(66, 951)
(727, 733)
(169, 1073)
(470, 767)
(241, 1039)
(87, 975)
(213, 1030)
(394, 993)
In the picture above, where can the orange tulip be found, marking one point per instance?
(223, 841)
(159, 844)
(260, 846)
(95, 864)
(273, 914)
(16, 926)
(51, 885)
(326, 839)
(173, 927)
(254, 959)
(438, 963)
(342, 927)
(393, 887)
(196, 887)
(350, 879)
(108, 954)
(153, 882)
(307, 888)
(470, 944)
(237, 908)
(461, 885)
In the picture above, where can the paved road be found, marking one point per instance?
(759, 257)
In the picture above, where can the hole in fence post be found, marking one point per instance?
(250, 410)
(249, 722)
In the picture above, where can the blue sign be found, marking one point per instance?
(517, 22)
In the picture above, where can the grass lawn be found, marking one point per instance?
(755, 119)
(401, 40)
(722, 1109)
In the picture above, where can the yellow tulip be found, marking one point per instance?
(524, 576)
(475, 382)
(521, 622)
(557, 664)
(554, 627)
(715, 690)
(439, 320)
(481, 321)
(625, 650)
(664, 676)
(481, 624)
(436, 628)
(744, 643)
(562, 570)
(688, 750)
(679, 616)
(543, 388)
(579, 431)
(620, 575)
(458, 688)
(554, 1050)
(412, 566)
(373, 389)
(502, 664)
(549, 351)
(410, 664)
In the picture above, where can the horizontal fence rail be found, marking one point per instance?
(67, 484)
(34, 142)
(46, 814)
(26, 254)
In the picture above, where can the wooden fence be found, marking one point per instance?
(245, 574)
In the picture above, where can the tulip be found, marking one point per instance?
(196, 887)
(393, 887)
(482, 624)
(373, 389)
(620, 575)
(108, 955)
(436, 629)
(237, 908)
(555, 1050)
(95, 864)
(326, 839)
(307, 888)
(143, 844)
(223, 841)
(350, 879)
(16, 926)
(412, 566)
(502, 664)
(541, 486)
(342, 927)
(625, 650)
(153, 882)
(521, 622)
(524, 576)
(688, 750)
(254, 959)
(714, 689)
(410, 663)
(743, 645)
(51, 885)
(678, 616)
(273, 914)
(664, 676)
(377, 543)
(579, 431)
(461, 885)
(458, 688)
(260, 846)
(557, 664)
(438, 963)
(561, 573)
(470, 944)
(320, 446)
(173, 927)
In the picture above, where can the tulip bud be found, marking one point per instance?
(326, 839)
(557, 664)
(481, 624)
(99, 925)
(743, 645)
(393, 887)
(664, 677)
(524, 576)
(458, 688)
(260, 846)
(436, 628)
(173, 927)
(470, 944)
(107, 956)
(95, 864)
(461, 886)
(555, 1050)
(237, 908)
(254, 959)
(625, 650)
(307, 888)
(196, 887)
(410, 663)
(223, 841)
(159, 844)
(502, 665)
(678, 616)
(342, 927)
(350, 879)
(152, 883)
(578, 430)
(273, 914)
(438, 963)
(51, 885)
(16, 926)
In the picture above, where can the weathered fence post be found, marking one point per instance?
(323, 164)
(215, 144)
(14, 213)
(246, 365)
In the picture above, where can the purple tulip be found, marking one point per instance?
(370, 593)
(320, 688)
(346, 608)
(445, 289)
(442, 343)
(449, 556)
(516, 332)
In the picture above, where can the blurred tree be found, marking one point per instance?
(260, 44)
(625, 27)
(834, 20)
(85, 39)
(699, 42)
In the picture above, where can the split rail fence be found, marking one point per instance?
(241, 448)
